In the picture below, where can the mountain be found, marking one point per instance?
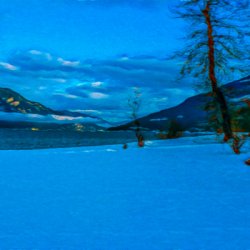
(26, 112)
(11, 101)
(191, 114)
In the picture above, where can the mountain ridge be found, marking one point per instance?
(13, 102)
(191, 114)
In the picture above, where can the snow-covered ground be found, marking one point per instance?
(189, 193)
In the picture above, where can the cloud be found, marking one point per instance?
(104, 85)
(40, 53)
(78, 91)
(17, 117)
(68, 96)
(88, 111)
(65, 118)
(134, 71)
(68, 63)
(98, 95)
(8, 66)
(37, 61)
(96, 84)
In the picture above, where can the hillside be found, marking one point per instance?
(191, 114)
(14, 104)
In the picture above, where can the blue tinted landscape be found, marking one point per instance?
(124, 124)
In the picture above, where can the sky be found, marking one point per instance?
(90, 55)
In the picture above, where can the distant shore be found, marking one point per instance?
(22, 139)
(13, 139)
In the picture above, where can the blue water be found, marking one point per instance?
(188, 197)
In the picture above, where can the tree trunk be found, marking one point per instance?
(139, 136)
(226, 118)
(219, 96)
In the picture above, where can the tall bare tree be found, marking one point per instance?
(217, 45)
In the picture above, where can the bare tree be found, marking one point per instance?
(216, 46)
(134, 103)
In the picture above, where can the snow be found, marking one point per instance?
(188, 193)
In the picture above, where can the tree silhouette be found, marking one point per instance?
(134, 103)
(216, 46)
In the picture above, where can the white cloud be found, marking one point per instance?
(60, 80)
(87, 111)
(98, 95)
(67, 95)
(96, 84)
(8, 66)
(35, 52)
(161, 99)
(65, 118)
(42, 87)
(34, 116)
(62, 118)
(68, 63)
(124, 58)
(48, 56)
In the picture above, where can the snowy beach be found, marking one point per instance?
(174, 194)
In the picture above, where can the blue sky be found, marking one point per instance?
(87, 28)
(88, 55)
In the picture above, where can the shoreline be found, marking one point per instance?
(14, 139)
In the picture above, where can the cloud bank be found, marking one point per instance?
(102, 85)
